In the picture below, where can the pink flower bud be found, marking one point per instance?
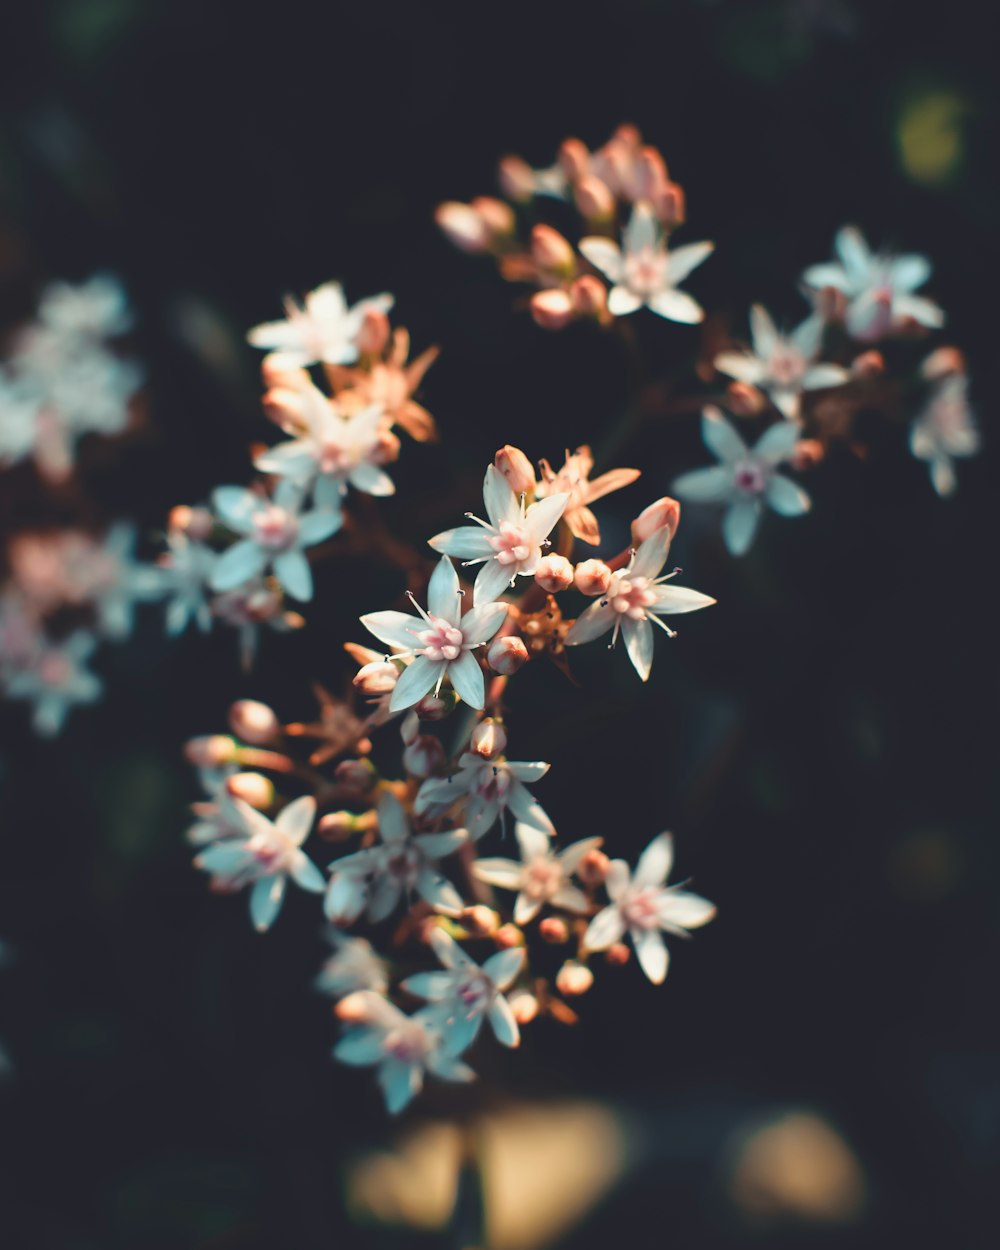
(589, 296)
(554, 573)
(211, 751)
(524, 1006)
(373, 337)
(507, 936)
(551, 252)
(196, 523)
(942, 363)
(670, 206)
(831, 304)
(592, 577)
(651, 174)
(808, 453)
(554, 930)
(387, 447)
(618, 955)
(516, 468)
(593, 868)
(437, 706)
(463, 227)
(552, 310)
(594, 199)
(353, 1009)
(480, 921)
(574, 159)
(744, 399)
(665, 513)
(488, 739)
(336, 826)
(497, 216)
(507, 654)
(868, 365)
(356, 774)
(424, 756)
(252, 788)
(377, 678)
(276, 374)
(254, 722)
(574, 978)
(517, 179)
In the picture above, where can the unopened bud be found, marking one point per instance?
(670, 205)
(942, 363)
(551, 252)
(488, 739)
(517, 179)
(424, 756)
(868, 365)
(507, 936)
(463, 227)
(377, 678)
(356, 774)
(497, 216)
(574, 978)
(831, 304)
(553, 929)
(574, 159)
(211, 751)
(594, 199)
(593, 868)
(618, 954)
(437, 706)
(252, 788)
(807, 454)
(745, 400)
(196, 523)
(373, 337)
(516, 468)
(592, 577)
(553, 309)
(253, 722)
(507, 654)
(524, 1006)
(387, 447)
(554, 573)
(589, 296)
(353, 1009)
(336, 826)
(665, 514)
(480, 921)
(277, 373)
(651, 174)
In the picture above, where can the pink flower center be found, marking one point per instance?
(542, 878)
(274, 528)
(408, 1043)
(474, 992)
(750, 478)
(639, 909)
(55, 670)
(493, 782)
(442, 642)
(786, 366)
(333, 458)
(631, 596)
(645, 271)
(404, 864)
(512, 544)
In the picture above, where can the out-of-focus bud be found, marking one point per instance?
(373, 337)
(627, 134)
(252, 788)
(437, 706)
(831, 304)
(196, 523)
(593, 868)
(651, 174)
(424, 756)
(387, 447)
(869, 364)
(554, 573)
(254, 722)
(942, 363)
(807, 454)
(553, 929)
(592, 577)
(508, 935)
(516, 468)
(618, 954)
(357, 774)
(553, 309)
(480, 921)
(497, 216)
(589, 296)
(670, 205)
(551, 252)
(276, 373)
(409, 727)
(463, 227)
(211, 751)
(489, 739)
(574, 978)
(594, 199)
(377, 678)
(517, 179)
(353, 1009)
(336, 826)
(665, 514)
(524, 1006)
(507, 654)
(574, 159)
(745, 400)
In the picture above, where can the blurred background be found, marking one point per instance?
(821, 1068)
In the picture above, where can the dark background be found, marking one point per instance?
(823, 742)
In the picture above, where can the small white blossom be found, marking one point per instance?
(187, 570)
(510, 543)
(644, 272)
(469, 994)
(265, 857)
(487, 789)
(645, 907)
(635, 600)
(323, 331)
(377, 878)
(441, 641)
(20, 407)
(783, 365)
(542, 877)
(120, 581)
(746, 479)
(353, 966)
(96, 309)
(55, 679)
(944, 431)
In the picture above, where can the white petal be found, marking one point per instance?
(596, 620)
(652, 554)
(238, 564)
(819, 377)
(740, 365)
(711, 485)
(235, 507)
(638, 638)
(443, 598)
(819, 277)
(682, 260)
(909, 272)
(502, 1022)
(467, 678)
(604, 930)
(642, 230)
(672, 600)
(291, 568)
(721, 438)
(265, 901)
(395, 629)
(315, 526)
(604, 255)
(534, 842)
(296, 819)
(854, 254)
(393, 823)
(923, 311)
(491, 581)
(655, 862)
(543, 515)
(739, 525)
(432, 986)
(677, 306)
(503, 967)
(654, 958)
(622, 302)
(448, 951)
(808, 336)
(479, 625)
(400, 1082)
(415, 681)
(617, 880)
(786, 498)
(505, 873)
(439, 892)
(467, 542)
(371, 480)
(307, 876)
(499, 500)
(777, 442)
(686, 911)
(763, 332)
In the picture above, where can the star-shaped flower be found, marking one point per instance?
(782, 365)
(54, 679)
(542, 877)
(509, 544)
(441, 641)
(324, 330)
(945, 431)
(187, 569)
(488, 789)
(644, 272)
(353, 966)
(635, 600)
(573, 479)
(746, 479)
(645, 907)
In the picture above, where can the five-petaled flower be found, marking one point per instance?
(645, 907)
(543, 875)
(322, 331)
(488, 789)
(354, 965)
(573, 479)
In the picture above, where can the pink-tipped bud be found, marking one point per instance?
(254, 722)
(665, 514)
(651, 174)
(387, 447)
(524, 1006)
(552, 310)
(497, 216)
(554, 573)
(745, 400)
(355, 774)
(506, 655)
(589, 296)
(210, 751)
(574, 159)
(353, 1009)
(516, 468)
(196, 523)
(618, 955)
(252, 788)
(551, 252)
(594, 199)
(868, 365)
(670, 205)
(942, 364)
(807, 454)
(424, 756)
(593, 868)
(463, 227)
(437, 706)
(592, 577)
(277, 374)
(480, 921)
(554, 930)
(517, 179)
(377, 678)
(507, 936)
(336, 826)
(373, 337)
(489, 739)
(574, 978)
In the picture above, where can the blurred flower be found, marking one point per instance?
(187, 571)
(391, 384)
(542, 877)
(250, 606)
(323, 330)
(573, 480)
(945, 431)
(54, 679)
(488, 789)
(97, 308)
(353, 966)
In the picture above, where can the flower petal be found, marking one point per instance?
(638, 638)
(491, 581)
(542, 516)
(604, 930)
(677, 306)
(504, 873)
(622, 302)
(265, 901)
(443, 598)
(786, 498)
(777, 442)
(720, 437)
(414, 682)
(291, 568)
(740, 524)
(711, 485)
(467, 678)
(654, 958)
(502, 1022)
(682, 260)
(595, 621)
(604, 255)
(503, 967)
(483, 621)
(296, 819)
(763, 332)
(238, 564)
(395, 629)
(655, 862)
(467, 542)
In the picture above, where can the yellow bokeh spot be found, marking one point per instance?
(930, 136)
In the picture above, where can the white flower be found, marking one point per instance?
(218, 818)
(644, 907)
(324, 331)
(441, 641)
(55, 679)
(266, 856)
(250, 607)
(187, 571)
(878, 287)
(510, 544)
(121, 581)
(782, 364)
(644, 272)
(402, 864)
(745, 480)
(96, 309)
(488, 789)
(332, 450)
(20, 404)
(945, 430)
(274, 535)
(404, 1047)
(542, 877)
(635, 600)
(468, 993)
(353, 966)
